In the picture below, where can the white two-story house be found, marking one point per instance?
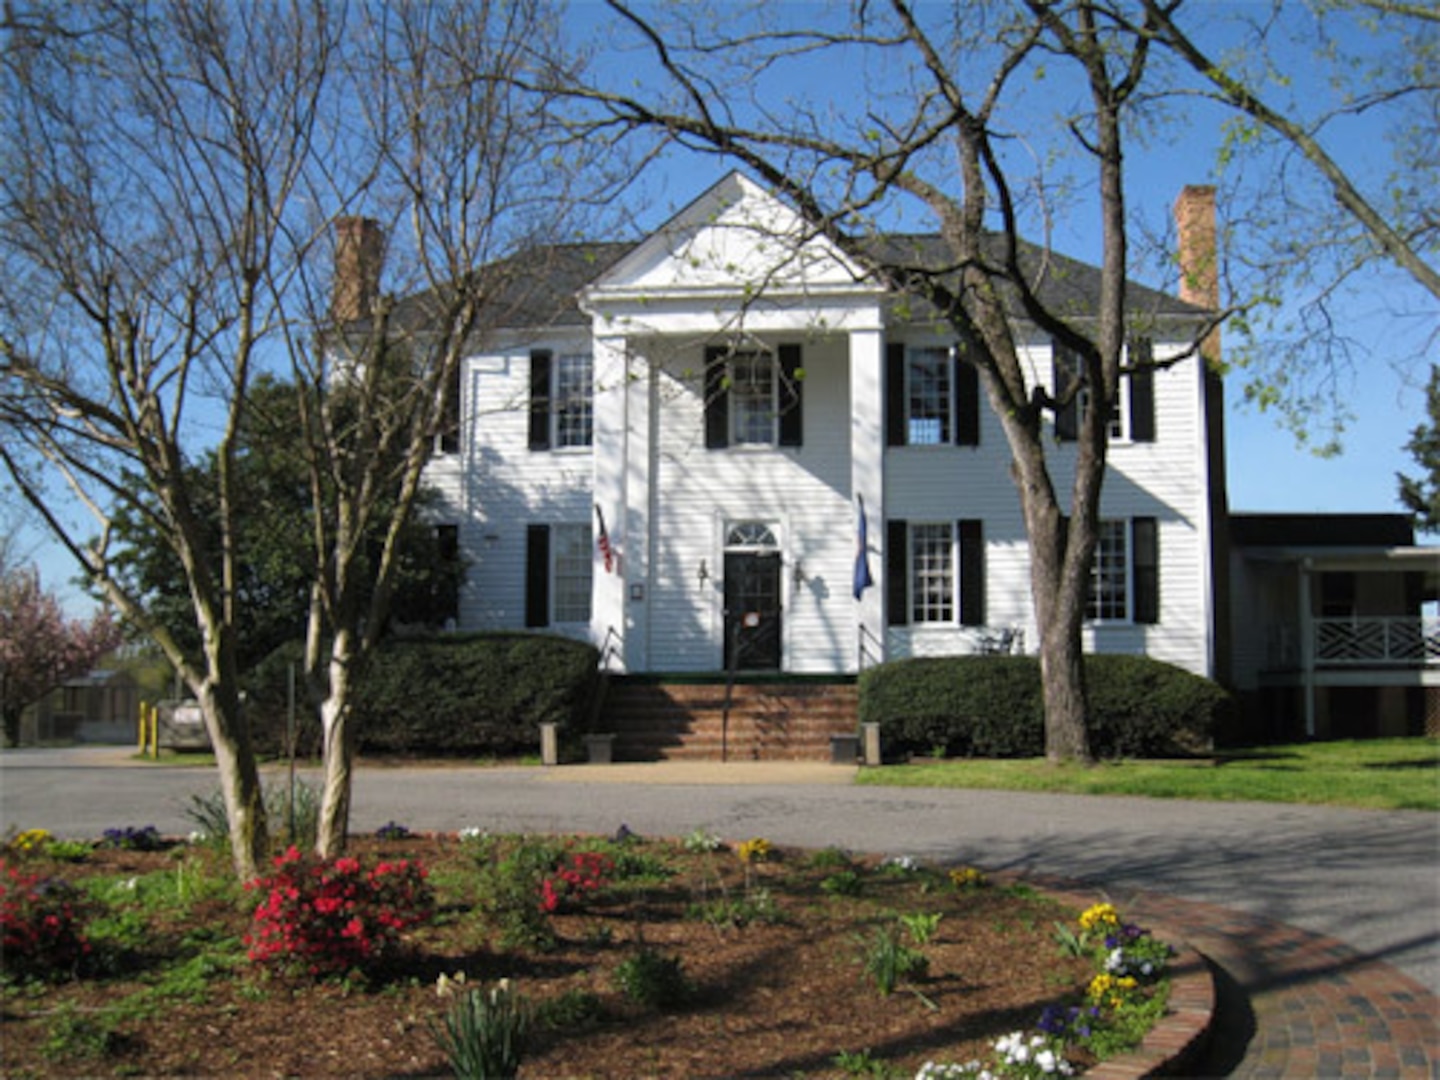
(675, 448)
(722, 450)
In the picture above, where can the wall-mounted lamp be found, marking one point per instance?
(491, 539)
(703, 573)
(799, 573)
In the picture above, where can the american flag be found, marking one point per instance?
(602, 541)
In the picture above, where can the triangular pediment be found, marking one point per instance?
(736, 237)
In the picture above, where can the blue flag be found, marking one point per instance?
(863, 580)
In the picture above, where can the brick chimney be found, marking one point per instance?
(1200, 285)
(1195, 223)
(359, 253)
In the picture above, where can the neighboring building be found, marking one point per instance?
(101, 707)
(1336, 632)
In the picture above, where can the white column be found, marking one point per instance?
(609, 451)
(867, 481)
(638, 458)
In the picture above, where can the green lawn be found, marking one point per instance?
(1380, 774)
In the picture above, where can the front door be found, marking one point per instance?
(752, 610)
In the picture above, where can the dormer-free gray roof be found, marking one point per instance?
(539, 288)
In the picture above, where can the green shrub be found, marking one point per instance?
(991, 706)
(470, 694)
(654, 979)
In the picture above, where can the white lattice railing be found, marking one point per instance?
(1400, 639)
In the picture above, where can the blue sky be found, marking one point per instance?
(1268, 471)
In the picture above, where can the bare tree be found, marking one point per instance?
(150, 156)
(939, 146)
(467, 190)
(173, 177)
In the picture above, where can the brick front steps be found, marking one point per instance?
(769, 719)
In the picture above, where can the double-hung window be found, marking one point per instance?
(1132, 412)
(574, 400)
(927, 392)
(932, 397)
(932, 573)
(562, 400)
(1109, 573)
(1125, 572)
(935, 573)
(572, 572)
(559, 567)
(753, 398)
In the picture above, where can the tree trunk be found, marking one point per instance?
(1059, 579)
(339, 751)
(239, 780)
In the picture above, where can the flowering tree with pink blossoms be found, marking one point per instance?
(39, 647)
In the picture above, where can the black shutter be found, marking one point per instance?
(1142, 392)
(895, 394)
(1145, 568)
(540, 399)
(717, 399)
(967, 402)
(1065, 366)
(897, 575)
(972, 572)
(792, 414)
(450, 412)
(537, 575)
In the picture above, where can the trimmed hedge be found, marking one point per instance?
(991, 706)
(456, 694)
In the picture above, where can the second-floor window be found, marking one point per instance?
(753, 406)
(927, 394)
(932, 397)
(562, 400)
(1131, 416)
(753, 398)
(574, 400)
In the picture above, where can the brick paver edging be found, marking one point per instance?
(1320, 1008)
(1179, 1038)
(1180, 1035)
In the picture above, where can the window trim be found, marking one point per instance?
(1134, 407)
(541, 578)
(786, 412)
(962, 417)
(1141, 572)
(545, 416)
(966, 569)
(558, 411)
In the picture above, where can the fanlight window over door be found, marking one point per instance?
(751, 534)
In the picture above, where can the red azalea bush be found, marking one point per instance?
(586, 872)
(40, 925)
(326, 918)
